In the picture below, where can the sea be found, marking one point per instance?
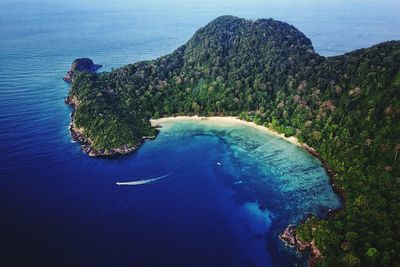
(198, 195)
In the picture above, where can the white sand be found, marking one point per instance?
(226, 121)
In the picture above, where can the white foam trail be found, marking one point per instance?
(140, 182)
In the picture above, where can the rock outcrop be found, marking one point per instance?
(78, 135)
(79, 65)
(290, 238)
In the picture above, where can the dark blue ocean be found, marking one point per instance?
(225, 192)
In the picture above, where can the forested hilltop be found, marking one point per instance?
(346, 107)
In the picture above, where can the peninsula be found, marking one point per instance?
(346, 107)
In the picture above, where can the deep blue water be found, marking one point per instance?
(59, 207)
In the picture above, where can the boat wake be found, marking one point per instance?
(141, 182)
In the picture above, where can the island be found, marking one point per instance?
(347, 108)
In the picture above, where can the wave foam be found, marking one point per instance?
(141, 182)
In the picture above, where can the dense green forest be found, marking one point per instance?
(346, 107)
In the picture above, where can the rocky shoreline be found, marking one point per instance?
(77, 135)
(289, 237)
(80, 64)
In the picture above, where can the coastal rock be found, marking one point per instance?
(290, 238)
(289, 235)
(316, 254)
(72, 101)
(81, 64)
(152, 137)
(78, 135)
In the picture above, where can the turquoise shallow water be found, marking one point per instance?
(272, 171)
(59, 207)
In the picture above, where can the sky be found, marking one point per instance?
(348, 24)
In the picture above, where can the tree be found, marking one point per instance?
(196, 107)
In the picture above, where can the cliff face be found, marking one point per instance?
(346, 107)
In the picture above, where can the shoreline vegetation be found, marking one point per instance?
(78, 135)
(346, 108)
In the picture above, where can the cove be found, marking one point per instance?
(202, 214)
(253, 185)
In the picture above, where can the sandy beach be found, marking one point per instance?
(226, 121)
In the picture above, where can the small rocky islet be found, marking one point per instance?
(81, 65)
